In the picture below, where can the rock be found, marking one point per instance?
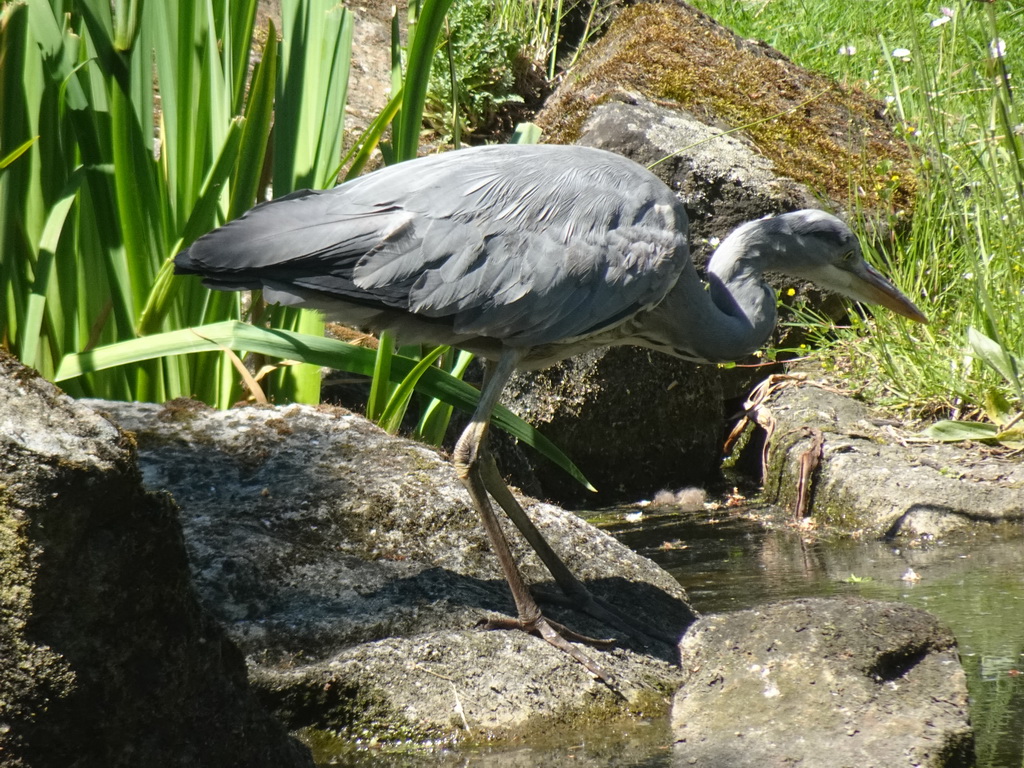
(635, 421)
(803, 128)
(721, 180)
(875, 476)
(106, 657)
(829, 683)
(351, 570)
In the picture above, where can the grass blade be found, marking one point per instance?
(31, 327)
(379, 386)
(526, 133)
(391, 419)
(437, 415)
(417, 76)
(259, 114)
(996, 357)
(957, 431)
(17, 152)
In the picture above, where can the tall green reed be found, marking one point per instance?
(147, 138)
(139, 130)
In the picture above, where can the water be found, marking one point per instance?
(727, 560)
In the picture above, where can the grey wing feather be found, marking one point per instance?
(530, 245)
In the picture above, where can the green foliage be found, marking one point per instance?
(945, 75)
(855, 579)
(126, 135)
(474, 72)
(425, 31)
(134, 173)
(540, 23)
(1006, 422)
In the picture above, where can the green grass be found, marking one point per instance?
(961, 257)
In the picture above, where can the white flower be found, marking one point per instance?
(901, 53)
(997, 48)
(945, 18)
(847, 50)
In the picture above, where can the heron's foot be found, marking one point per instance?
(595, 607)
(559, 636)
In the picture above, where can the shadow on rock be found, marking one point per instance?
(346, 562)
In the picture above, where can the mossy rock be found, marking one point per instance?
(824, 135)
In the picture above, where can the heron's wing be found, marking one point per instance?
(530, 245)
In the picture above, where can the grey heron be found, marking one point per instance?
(526, 255)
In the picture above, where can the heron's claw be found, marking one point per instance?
(561, 637)
(609, 615)
(534, 628)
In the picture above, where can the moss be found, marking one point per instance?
(334, 714)
(337, 719)
(830, 511)
(817, 132)
(182, 410)
(589, 725)
(15, 566)
(282, 427)
(840, 515)
(36, 675)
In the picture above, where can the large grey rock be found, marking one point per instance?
(721, 180)
(349, 567)
(822, 684)
(878, 477)
(106, 657)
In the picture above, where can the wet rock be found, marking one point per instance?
(876, 476)
(349, 567)
(106, 657)
(829, 683)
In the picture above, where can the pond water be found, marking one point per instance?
(728, 560)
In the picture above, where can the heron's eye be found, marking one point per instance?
(848, 256)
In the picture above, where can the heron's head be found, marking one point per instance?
(819, 247)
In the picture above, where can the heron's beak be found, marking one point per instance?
(873, 287)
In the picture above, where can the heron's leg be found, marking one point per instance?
(468, 462)
(579, 597)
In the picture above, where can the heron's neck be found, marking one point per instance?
(733, 315)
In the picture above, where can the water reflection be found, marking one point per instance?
(974, 583)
